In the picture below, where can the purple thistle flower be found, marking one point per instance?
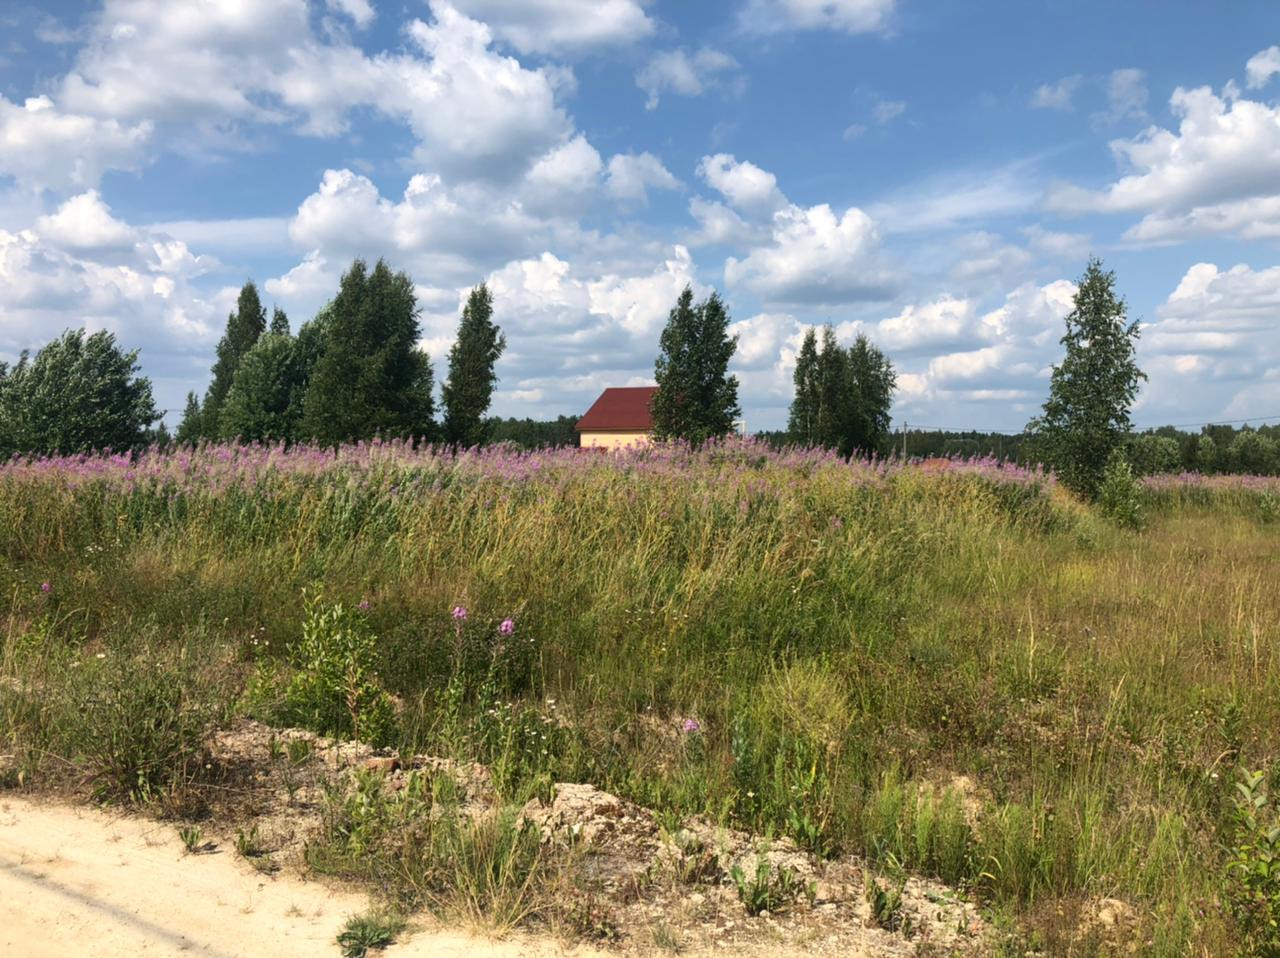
(507, 627)
(460, 613)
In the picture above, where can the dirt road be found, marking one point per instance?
(81, 882)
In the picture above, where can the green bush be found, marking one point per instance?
(1253, 867)
(333, 689)
(1120, 495)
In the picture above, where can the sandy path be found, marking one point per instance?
(81, 882)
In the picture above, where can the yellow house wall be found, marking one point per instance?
(602, 439)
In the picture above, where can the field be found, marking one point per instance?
(953, 669)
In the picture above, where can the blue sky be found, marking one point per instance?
(933, 174)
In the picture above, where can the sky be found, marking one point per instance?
(930, 173)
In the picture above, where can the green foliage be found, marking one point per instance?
(697, 399)
(1086, 417)
(334, 689)
(135, 724)
(886, 903)
(265, 400)
(191, 428)
(372, 931)
(1119, 494)
(1253, 867)
(370, 379)
(192, 839)
(79, 393)
(843, 396)
(768, 887)
(417, 844)
(802, 422)
(1151, 454)
(467, 392)
(279, 322)
(244, 326)
(534, 434)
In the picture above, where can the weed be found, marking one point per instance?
(193, 842)
(372, 931)
(886, 903)
(666, 939)
(768, 888)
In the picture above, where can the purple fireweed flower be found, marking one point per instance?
(507, 627)
(46, 587)
(691, 725)
(460, 613)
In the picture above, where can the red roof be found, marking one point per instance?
(623, 408)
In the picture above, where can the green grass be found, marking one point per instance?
(849, 650)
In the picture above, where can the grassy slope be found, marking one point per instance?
(847, 649)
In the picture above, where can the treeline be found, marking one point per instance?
(353, 372)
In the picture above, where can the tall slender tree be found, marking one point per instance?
(804, 408)
(190, 429)
(697, 399)
(244, 326)
(1086, 417)
(468, 391)
(370, 378)
(873, 381)
(279, 322)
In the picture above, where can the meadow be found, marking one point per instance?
(953, 668)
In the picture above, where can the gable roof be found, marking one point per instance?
(623, 408)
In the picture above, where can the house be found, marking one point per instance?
(620, 417)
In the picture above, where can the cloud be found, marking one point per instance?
(845, 16)
(955, 199)
(83, 223)
(559, 26)
(45, 147)
(1126, 97)
(718, 224)
(1221, 328)
(1057, 95)
(945, 323)
(632, 175)
(815, 257)
(886, 110)
(210, 71)
(1262, 67)
(746, 186)
(686, 74)
(1055, 244)
(361, 12)
(1225, 150)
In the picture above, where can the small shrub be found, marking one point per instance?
(1120, 494)
(768, 888)
(1253, 867)
(136, 724)
(193, 842)
(333, 689)
(886, 903)
(373, 931)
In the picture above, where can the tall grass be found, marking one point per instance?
(778, 640)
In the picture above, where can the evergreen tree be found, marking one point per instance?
(191, 429)
(469, 389)
(370, 378)
(279, 322)
(265, 401)
(1086, 417)
(696, 399)
(804, 408)
(873, 381)
(244, 326)
(78, 394)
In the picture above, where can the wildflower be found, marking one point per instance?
(460, 613)
(507, 627)
(46, 587)
(364, 605)
(691, 725)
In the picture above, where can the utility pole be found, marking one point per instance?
(904, 440)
